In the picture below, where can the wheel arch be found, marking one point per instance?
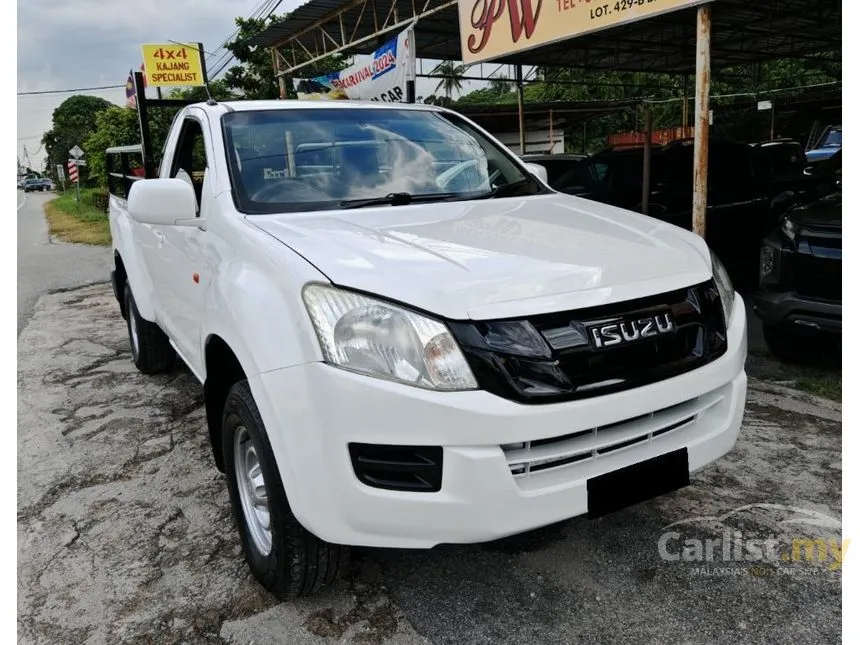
(223, 370)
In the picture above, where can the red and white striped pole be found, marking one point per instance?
(73, 177)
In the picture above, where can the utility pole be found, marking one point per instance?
(701, 120)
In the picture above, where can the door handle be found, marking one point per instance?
(159, 236)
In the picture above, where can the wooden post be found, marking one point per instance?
(143, 122)
(519, 78)
(282, 80)
(551, 142)
(700, 145)
(646, 159)
(772, 119)
(685, 119)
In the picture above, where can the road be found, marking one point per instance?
(125, 536)
(44, 266)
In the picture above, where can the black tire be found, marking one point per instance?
(780, 343)
(151, 350)
(297, 562)
(800, 346)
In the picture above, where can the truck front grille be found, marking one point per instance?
(818, 277)
(557, 357)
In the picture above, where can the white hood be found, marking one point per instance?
(495, 258)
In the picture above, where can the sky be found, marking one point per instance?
(94, 43)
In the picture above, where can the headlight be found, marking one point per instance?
(788, 227)
(724, 286)
(380, 339)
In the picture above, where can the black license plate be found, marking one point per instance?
(638, 482)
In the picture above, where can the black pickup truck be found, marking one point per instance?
(800, 269)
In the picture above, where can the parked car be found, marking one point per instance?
(388, 361)
(829, 142)
(37, 184)
(740, 198)
(800, 301)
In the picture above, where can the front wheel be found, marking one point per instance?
(284, 557)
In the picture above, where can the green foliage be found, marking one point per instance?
(218, 90)
(732, 119)
(73, 121)
(254, 76)
(452, 74)
(115, 126)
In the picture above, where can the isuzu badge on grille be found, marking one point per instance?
(615, 332)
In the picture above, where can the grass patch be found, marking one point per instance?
(77, 222)
(822, 379)
(827, 386)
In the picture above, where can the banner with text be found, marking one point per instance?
(383, 78)
(493, 28)
(173, 65)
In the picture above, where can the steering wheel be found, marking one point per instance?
(445, 179)
(289, 189)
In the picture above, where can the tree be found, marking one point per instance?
(116, 126)
(452, 74)
(500, 85)
(254, 76)
(73, 121)
(218, 89)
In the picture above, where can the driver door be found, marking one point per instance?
(183, 265)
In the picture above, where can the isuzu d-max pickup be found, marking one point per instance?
(406, 338)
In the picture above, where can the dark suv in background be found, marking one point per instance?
(800, 269)
(749, 188)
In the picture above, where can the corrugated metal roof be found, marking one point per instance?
(743, 31)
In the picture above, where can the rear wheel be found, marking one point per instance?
(284, 557)
(150, 348)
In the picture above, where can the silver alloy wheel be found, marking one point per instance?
(252, 490)
(132, 326)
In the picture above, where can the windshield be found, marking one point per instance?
(833, 139)
(317, 159)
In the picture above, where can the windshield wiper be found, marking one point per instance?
(506, 190)
(395, 199)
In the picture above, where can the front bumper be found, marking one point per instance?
(313, 411)
(788, 308)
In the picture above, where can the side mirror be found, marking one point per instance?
(539, 171)
(163, 202)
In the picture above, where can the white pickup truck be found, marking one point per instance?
(405, 338)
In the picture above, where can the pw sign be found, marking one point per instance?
(493, 28)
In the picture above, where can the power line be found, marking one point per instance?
(77, 89)
(271, 7)
(226, 56)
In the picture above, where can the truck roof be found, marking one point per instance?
(245, 106)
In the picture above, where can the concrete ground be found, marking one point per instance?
(45, 266)
(125, 536)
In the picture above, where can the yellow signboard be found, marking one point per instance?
(173, 65)
(493, 28)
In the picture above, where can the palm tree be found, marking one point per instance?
(451, 74)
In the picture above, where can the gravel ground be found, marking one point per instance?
(124, 532)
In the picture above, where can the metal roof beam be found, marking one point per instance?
(391, 22)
